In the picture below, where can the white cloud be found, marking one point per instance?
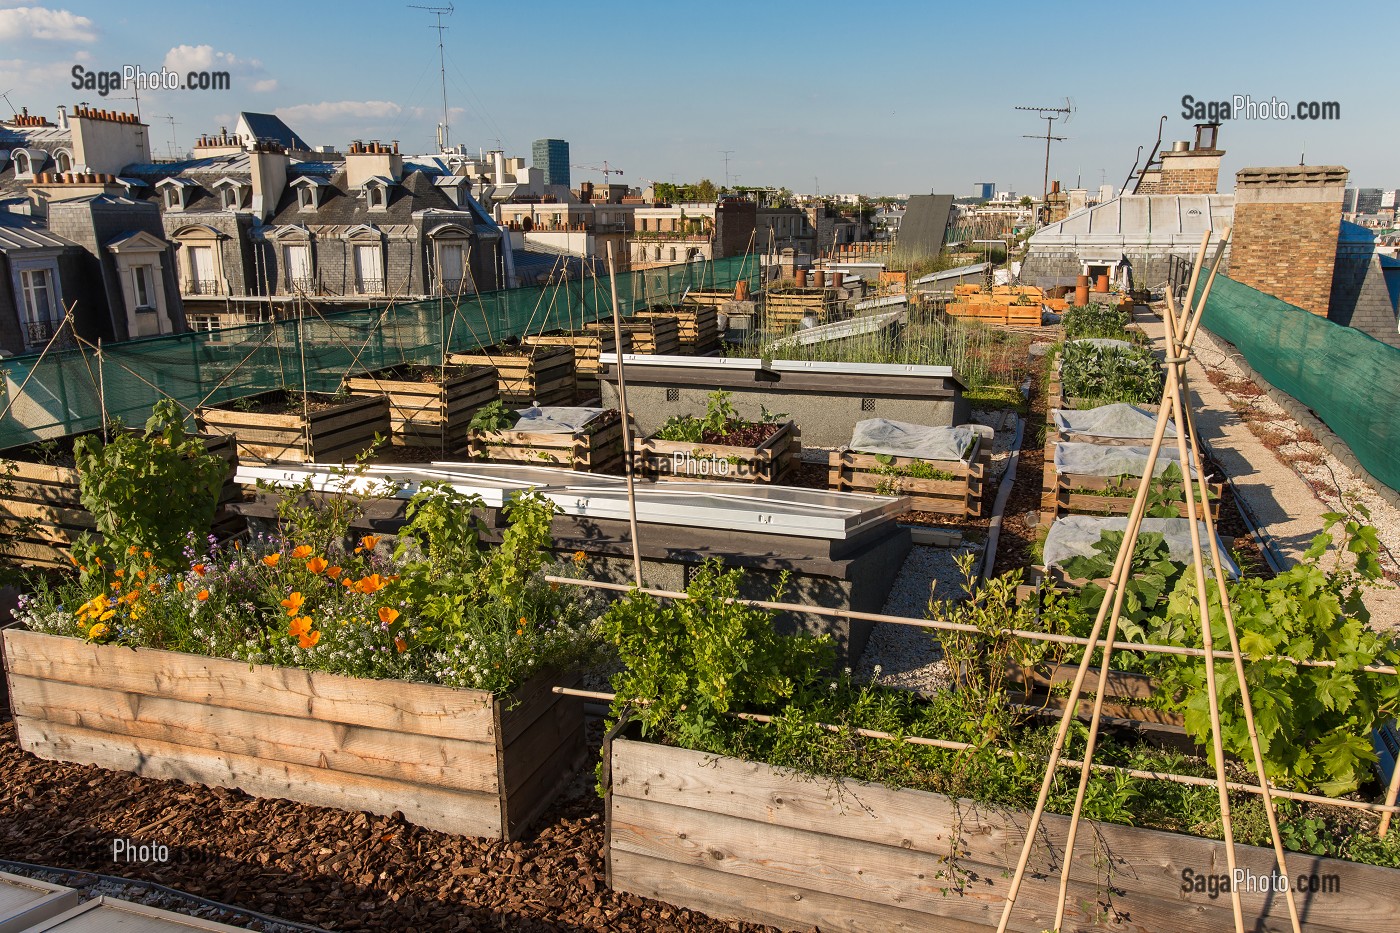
(26, 77)
(37, 22)
(186, 58)
(330, 110)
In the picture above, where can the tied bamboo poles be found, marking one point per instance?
(627, 462)
(1180, 334)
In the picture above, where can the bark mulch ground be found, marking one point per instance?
(334, 869)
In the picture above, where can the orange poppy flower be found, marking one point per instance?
(119, 573)
(309, 639)
(202, 595)
(370, 584)
(333, 572)
(116, 586)
(272, 559)
(131, 550)
(198, 570)
(400, 643)
(180, 585)
(369, 542)
(387, 615)
(299, 626)
(293, 603)
(317, 564)
(303, 551)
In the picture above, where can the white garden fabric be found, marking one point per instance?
(1075, 536)
(903, 439)
(561, 420)
(1116, 422)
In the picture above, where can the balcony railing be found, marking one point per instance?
(202, 287)
(38, 333)
(371, 286)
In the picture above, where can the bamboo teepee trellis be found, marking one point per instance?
(1181, 331)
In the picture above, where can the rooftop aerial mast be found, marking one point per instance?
(440, 12)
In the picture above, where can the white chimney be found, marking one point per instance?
(62, 117)
(500, 167)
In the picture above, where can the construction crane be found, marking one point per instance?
(604, 168)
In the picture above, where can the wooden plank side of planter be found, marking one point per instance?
(423, 709)
(769, 462)
(435, 808)
(689, 793)
(544, 375)
(430, 414)
(856, 472)
(542, 744)
(595, 449)
(292, 739)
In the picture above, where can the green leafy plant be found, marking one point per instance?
(493, 416)
(1152, 576)
(721, 417)
(148, 493)
(1111, 374)
(1095, 320)
(1314, 723)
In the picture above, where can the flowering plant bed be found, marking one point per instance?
(260, 666)
(429, 406)
(284, 426)
(721, 445)
(527, 375)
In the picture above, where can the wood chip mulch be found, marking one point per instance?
(333, 869)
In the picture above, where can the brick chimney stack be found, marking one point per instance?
(1286, 223)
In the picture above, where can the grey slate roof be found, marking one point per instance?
(269, 126)
(18, 232)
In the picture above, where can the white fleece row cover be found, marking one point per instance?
(1076, 535)
(555, 420)
(1119, 421)
(1108, 460)
(903, 439)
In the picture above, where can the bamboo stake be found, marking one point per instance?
(1390, 795)
(626, 428)
(942, 625)
(1237, 657)
(102, 392)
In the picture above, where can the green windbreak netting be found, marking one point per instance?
(1348, 378)
(63, 391)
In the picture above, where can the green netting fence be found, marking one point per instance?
(1349, 379)
(66, 390)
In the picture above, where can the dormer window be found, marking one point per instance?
(310, 192)
(174, 198)
(306, 199)
(174, 193)
(63, 162)
(377, 192)
(23, 164)
(229, 198)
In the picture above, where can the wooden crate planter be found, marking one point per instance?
(597, 448)
(697, 324)
(654, 335)
(586, 345)
(532, 376)
(769, 462)
(42, 513)
(989, 312)
(1123, 695)
(857, 472)
(784, 312)
(457, 761)
(1058, 496)
(740, 839)
(332, 431)
(429, 413)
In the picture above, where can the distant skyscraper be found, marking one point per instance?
(552, 155)
(986, 189)
(1349, 201)
(1368, 200)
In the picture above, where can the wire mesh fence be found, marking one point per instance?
(68, 391)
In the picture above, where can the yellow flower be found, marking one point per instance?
(293, 603)
(106, 615)
(303, 551)
(317, 564)
(387, 615)
(272, 559)
(202, 595)
(309, 639)
(579, 557)
(97, 631)
(299, 626)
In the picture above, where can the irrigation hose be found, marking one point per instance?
(163, 889)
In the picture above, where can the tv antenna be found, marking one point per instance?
(1050, 115)
(440, 12)
(726, 153)
(6, 95)
(171, 119)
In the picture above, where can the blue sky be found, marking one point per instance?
(881, 98)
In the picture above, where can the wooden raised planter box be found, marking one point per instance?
(431, 413)
(457, 761)
(42, 513)
(989, 312)
(597, 448)
(1122, 698)
(586, 346)
(857, 472)
(330, 432)
(1057, 496)
(529, 376)
(654, 335)
(743, 840)
(769, 462)
(697, 324)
